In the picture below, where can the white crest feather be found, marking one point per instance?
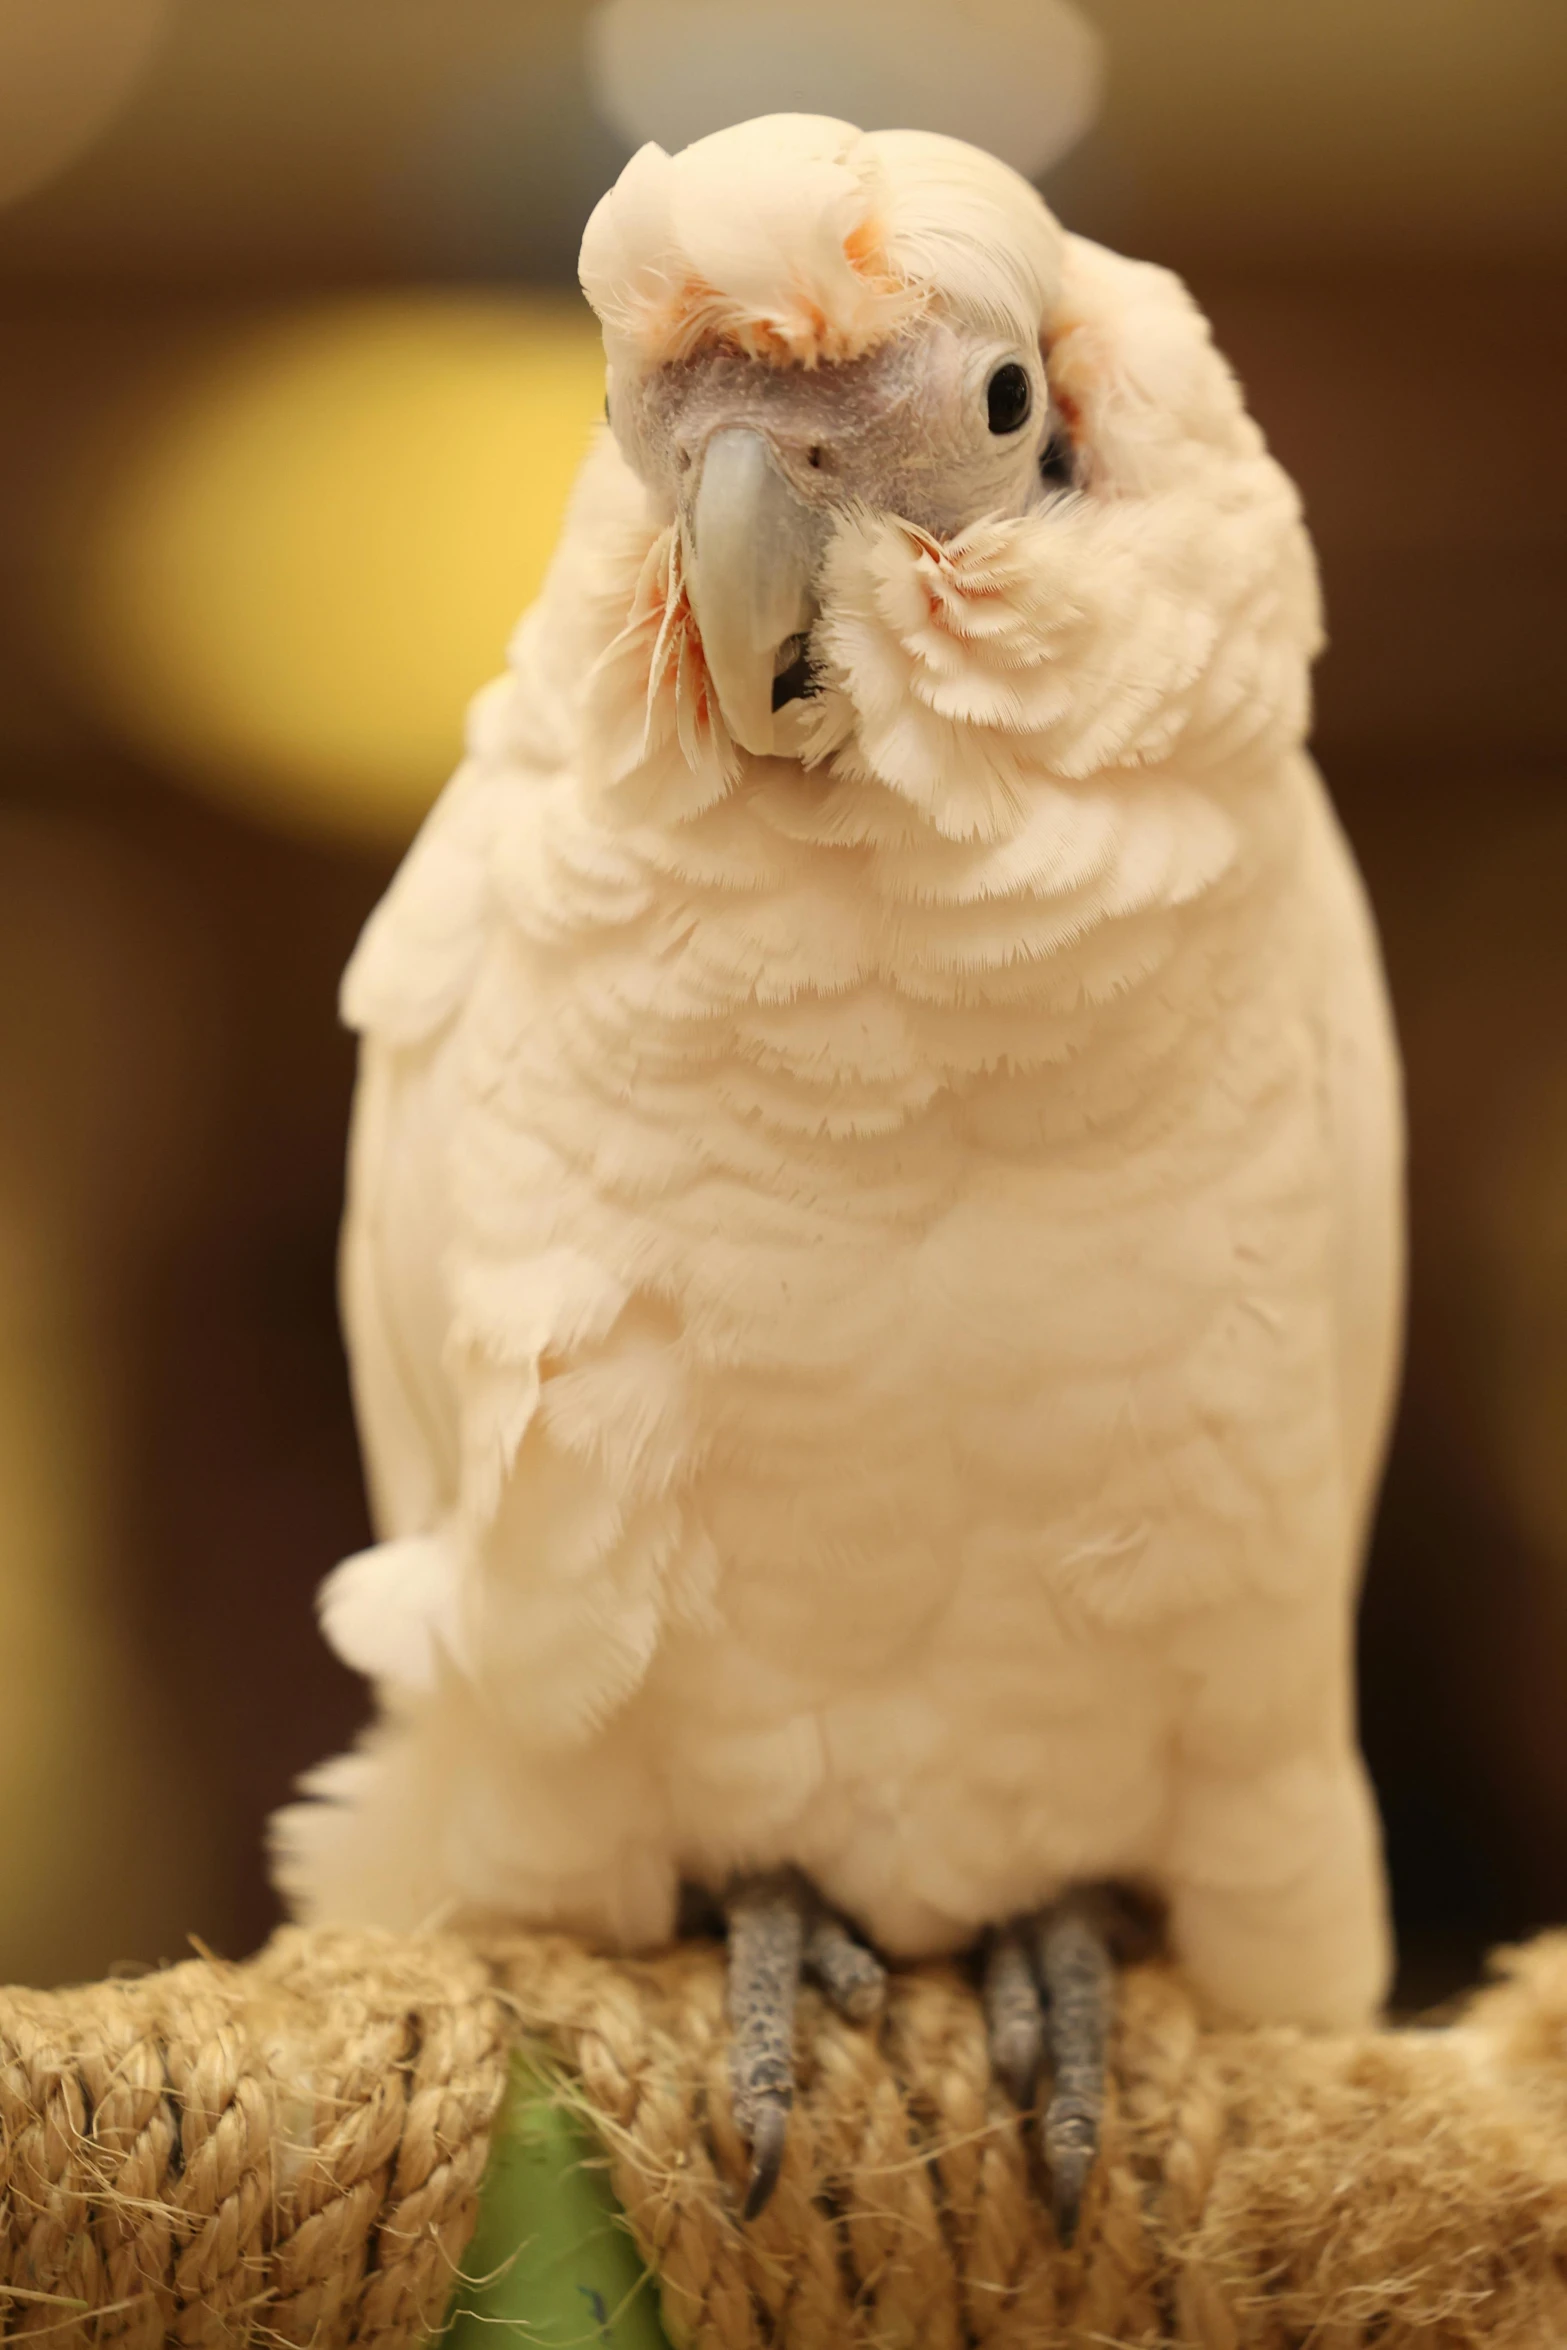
(768, 235)
(799, 238)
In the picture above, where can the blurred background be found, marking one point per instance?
(294, 379)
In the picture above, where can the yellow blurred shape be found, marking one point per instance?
(317, 550)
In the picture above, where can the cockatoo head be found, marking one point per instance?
(804, 321)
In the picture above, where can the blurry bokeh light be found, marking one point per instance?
(315, 548)
(66, 68)
(1021, 77)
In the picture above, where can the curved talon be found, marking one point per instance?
(769, 2136)
(1070, 2134)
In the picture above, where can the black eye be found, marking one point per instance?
(1010, 397)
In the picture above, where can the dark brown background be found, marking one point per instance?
(1369, 204)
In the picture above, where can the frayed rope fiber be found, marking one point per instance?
(291, 2152)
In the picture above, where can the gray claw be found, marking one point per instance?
(1071, 2141)
(769, 2134)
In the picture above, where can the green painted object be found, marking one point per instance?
(552, 2262)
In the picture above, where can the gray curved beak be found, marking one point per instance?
(752, 545)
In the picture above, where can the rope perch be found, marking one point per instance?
(287, 2152)
(291, 2151)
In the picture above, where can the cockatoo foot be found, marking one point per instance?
(778, 1931)
(1049, 1984)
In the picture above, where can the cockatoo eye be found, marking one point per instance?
(1009, 397)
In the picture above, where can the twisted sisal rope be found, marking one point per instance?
(289, 2152)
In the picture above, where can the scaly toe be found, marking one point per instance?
(1014, 2016)
(767, 1927)
(778, 1929)
(853, 1977)
(1077, 1974)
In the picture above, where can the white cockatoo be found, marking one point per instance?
(873, 1252)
